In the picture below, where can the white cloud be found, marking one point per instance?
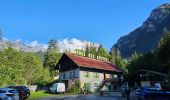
(72, 44)
(34, 43)
(18, 40)
(65, 44)
(5, 39)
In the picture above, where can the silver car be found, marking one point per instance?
(8, 94)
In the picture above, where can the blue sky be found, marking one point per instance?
(101, 21)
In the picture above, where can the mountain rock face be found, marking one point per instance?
(146, 37)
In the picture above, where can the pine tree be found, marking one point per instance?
(134, 56)
(102, 52)
(52, 46)
(119, 61)
(87, 50)
(90, 50)
(112, 56)
(51, 57)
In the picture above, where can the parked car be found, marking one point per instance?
(57, 88)
(23, 91)
(152, 93)
(8, 94)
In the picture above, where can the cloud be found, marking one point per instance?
(18, 40)
(37, 45)
(34, 44)
(72, 44)
(5, 39)
(64, 45)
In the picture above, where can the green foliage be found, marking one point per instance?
(148, 61)
(52, 46)
(112, 56)
(164, 48)
(158, 60)
(41, 55)
(119, 61)
(51, 59)
(73, 89)
(164, 53)
(17, 67)
(52, 56)
(102, 52)
(90, 50)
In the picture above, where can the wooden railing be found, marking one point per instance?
(100, 86)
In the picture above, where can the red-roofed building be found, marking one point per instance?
(90, 72)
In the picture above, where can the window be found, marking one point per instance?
(12, 91)
(72, 74)
(114, 76)
(2, 91)
(96, 75)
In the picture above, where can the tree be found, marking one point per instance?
(18, 67)
(163, 53)
(52, 46)
(87, 50)
(134, 56)
(11, 66)
(164, 48)
(102, 52)
(33, 69)
(112, 56)
(119, 61)
(90, 50)
(51, 57)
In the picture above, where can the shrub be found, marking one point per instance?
(73, 89)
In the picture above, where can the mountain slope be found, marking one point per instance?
(146, 37)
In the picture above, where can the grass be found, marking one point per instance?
(37, 95)
(42, 94)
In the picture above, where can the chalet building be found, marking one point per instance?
(91, 73)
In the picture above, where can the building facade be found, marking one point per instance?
(89, 72)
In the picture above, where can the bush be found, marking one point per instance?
(73, 89)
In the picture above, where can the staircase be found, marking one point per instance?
(104, 82)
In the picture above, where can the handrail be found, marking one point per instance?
(104, 81)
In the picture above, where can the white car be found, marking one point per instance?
(8, 94)
(57, 88)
